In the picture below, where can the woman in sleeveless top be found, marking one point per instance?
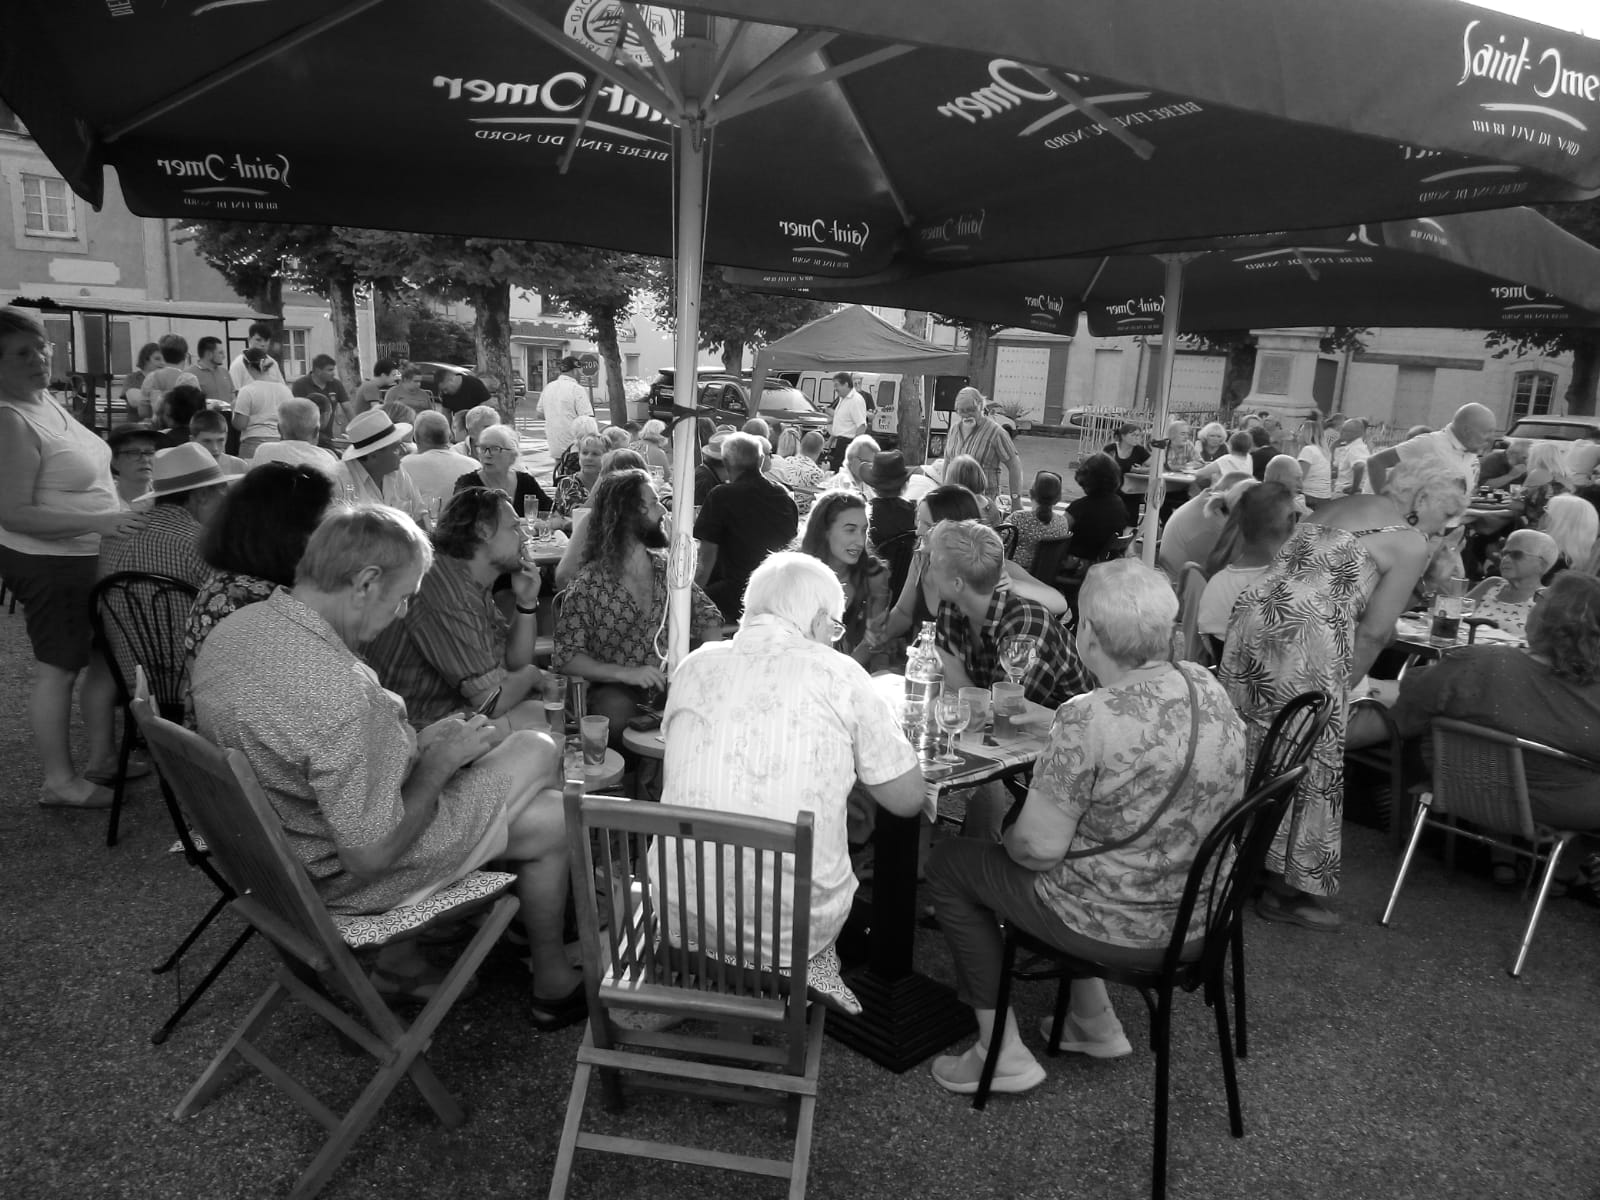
(56, 500)
(1315, 622)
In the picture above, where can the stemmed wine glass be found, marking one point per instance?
(951, 713)
(1018, 655)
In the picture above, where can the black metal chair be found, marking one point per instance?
(1230, 855)
(138, 621)
(897, 553)
(1008, 537)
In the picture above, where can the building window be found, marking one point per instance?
(1532, 394)
(630, 365)
(295, 363)
(48, 209)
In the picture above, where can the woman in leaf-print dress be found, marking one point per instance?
(1315, 622)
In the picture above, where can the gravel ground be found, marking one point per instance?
(1385, 1063)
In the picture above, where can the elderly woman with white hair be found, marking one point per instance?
(775, 722)
(498, 449)
(1135, 775)
(568, 463)
(651, 445)
(1507, 598)
(1316, 622)
(1574, 525)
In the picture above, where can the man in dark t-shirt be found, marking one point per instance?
(1262, 450)
(742, 522)
(323, 388)
(459, 391)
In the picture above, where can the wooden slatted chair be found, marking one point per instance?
(1192, 587)
(1479, 777)
(673, 947)
(316, 949)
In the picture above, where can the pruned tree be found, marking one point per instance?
(1581, 220)
(250, 256)
(909, 419)
(599, 285)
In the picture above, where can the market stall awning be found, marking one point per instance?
(177, 310)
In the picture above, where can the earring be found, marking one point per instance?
(1411, 517)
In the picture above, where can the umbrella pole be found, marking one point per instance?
(1172, 302)
(691, 207)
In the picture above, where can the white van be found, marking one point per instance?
(882, 393)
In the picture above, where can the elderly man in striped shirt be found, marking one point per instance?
(454, 650)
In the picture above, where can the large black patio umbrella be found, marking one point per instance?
(821, 136)
(1485, 270)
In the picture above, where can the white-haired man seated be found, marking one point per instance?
(776, 722)
(436, 466)
(299, 426)
(380, 815)
(1155, 739)
(475, 422)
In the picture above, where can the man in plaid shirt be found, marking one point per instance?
(978, 612)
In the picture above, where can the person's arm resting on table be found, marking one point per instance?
(881, 747)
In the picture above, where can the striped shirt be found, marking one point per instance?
(449, 650)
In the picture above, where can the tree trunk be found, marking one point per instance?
(733, 357)
(1585, 372)
(342, 312)
(491, 335)
(604, 321)
(908, 409)
(981, 357)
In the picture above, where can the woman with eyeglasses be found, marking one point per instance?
(498, 450)
(1507, 599)
(57, 499)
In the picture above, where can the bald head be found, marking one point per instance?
(1473, 426)
(1281, 468)
(1352, 429)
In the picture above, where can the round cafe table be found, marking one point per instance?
(607, 774)
(651, 748)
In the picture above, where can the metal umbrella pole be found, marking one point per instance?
(1171, 305)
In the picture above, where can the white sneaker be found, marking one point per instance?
(1104, 1040)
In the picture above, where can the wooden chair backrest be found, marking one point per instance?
(702, 904)
(1190, 590)
(219, 790)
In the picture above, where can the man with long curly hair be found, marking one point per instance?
(612, 628)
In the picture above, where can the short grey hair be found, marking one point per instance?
(1536, 542)
(20, 320)
(432, 430)
(861, 442)
(480, 418)
(972, 550)
(741, 452)
(351, 539)
(795, 587)
(500, 435)
(1132, 608)
(299, 420)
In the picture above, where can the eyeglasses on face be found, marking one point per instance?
(136, 452)
(1505, 554)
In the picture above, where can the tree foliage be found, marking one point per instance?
(731, 317)
(599, 285)
(1582, 220)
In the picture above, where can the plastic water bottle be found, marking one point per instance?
(924, 677)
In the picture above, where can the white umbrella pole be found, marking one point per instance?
(692, 136)
(1172, 302)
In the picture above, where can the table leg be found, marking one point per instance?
(905, 1016)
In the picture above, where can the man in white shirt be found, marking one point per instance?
(299, 423)
(562, 402)
(1351, 451)
(1456, 447)
(849, 417)
(1316, 474)
(240, 374)
(435, 467)
(777, 722)
(371, 466)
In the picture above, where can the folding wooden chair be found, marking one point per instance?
(673, 945)
(316, 949)
(1479, 778)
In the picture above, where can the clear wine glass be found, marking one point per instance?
(1018, 655)
(951, 713)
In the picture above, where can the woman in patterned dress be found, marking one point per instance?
(572, 491)
(1315, 623)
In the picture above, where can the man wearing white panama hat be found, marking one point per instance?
(371, 471)
(186, 486)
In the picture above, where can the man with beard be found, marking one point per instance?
(454, 651)
(612, 627)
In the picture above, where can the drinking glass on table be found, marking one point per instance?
(1018, 654)
(951, 714)
(977, 699)
(595, 731)
(554, 691)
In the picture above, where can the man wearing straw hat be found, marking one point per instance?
(371, 471)
(186, 487)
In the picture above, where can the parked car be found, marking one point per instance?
(519, 389)
(1555, 429)
(725, 398)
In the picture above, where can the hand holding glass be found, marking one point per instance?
(951, 713)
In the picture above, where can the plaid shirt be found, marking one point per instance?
(1057, 675)
(448, 650)
(167, 545)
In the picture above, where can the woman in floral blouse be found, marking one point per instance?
(252, 544)
(1118, 767)
(572, 491)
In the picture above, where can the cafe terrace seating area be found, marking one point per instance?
(1398, 1062)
